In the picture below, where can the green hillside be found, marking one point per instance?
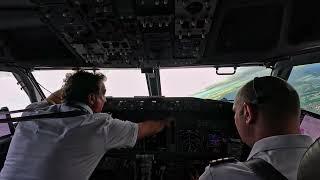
(229, 87)
(305, 79)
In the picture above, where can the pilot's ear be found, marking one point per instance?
(91, 99)
(248, 113)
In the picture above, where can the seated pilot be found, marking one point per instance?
(267, 111)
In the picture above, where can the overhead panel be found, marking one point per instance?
(304, 24)
(158, 33)
(193, 20)
(137, 33)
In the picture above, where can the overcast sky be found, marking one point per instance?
(131, 82)
(120, 83)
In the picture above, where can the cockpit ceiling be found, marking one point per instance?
(148, 33)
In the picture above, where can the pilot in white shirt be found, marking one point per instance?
(283, 152)
(267, 111)
(70, 148)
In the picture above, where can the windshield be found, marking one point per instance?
(306, 80)
(205, 83)
(120, 83)
(178, 82)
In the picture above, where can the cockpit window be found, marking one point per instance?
(205, 83)
(120, 82)
(50, 80)
(306, 80)
(12, 96)
(125, 82)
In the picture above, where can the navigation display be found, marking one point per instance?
(310, 126)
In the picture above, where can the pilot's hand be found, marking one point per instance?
(168, 122)
(152, 127)
(56, 97)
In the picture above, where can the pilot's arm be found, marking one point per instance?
(56, 97)
(149, 128)
(121, 134)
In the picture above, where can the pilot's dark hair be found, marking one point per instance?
(272, 96)
(79, 85)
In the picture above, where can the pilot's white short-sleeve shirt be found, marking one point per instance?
(283, 152)
(64, 148)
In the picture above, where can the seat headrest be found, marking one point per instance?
(310, 163)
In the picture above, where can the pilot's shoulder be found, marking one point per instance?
(102, 116)
(226, 168)
(222, 161)
(35, 107)
(38, 105)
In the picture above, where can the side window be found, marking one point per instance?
(11, 94)
(306, 80)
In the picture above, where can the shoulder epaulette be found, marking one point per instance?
(222, 160)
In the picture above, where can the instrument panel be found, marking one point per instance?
(202, 130)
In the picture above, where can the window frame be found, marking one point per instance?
(20, 85)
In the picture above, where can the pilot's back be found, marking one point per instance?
(59, 148)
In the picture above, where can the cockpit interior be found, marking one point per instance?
(189, 57)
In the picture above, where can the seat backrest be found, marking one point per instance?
(309, 168)
(6, 131)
